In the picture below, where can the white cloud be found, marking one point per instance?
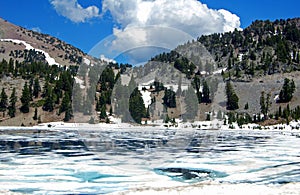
(72, 10)
(36, 29)
(170, 21)
(188, 15)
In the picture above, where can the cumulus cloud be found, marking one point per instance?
(170, 21)
(188, 15)
(72, 10)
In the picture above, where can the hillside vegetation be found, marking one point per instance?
(249, 76)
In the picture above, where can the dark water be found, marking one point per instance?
(99, 162)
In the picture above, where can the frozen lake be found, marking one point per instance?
(116, 160)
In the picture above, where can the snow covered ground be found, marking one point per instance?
(159, 124)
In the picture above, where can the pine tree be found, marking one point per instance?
(136, 106)
(3, 100)
(246, 106)
(11, 66)
(265, 104)
(232, 98)
(25, 99)
(169, 98)
(205, 93)
(110, 111)
(36, 88)
(49, 101)
(12, 104)
(35, 116)
(103, 114)
(196, 84)
(287, 91)
(208, 117)
(68, 114)
(65, 104)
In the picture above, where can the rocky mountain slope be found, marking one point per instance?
(256, 59)
(63, 53)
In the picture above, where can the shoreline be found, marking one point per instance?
(197, 125)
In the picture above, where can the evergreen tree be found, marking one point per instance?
(169, 98)
(36, 88)
(25, 99)
(46, 89)
(265, 104)
(208, 117)
(167, 119)
(110, 111)
(12, 104)
(11, 66)
(65, 104)
(232, 98)
(196, 84)
(205, 93)
(49, 101)
(3, 100)
(246, 106)
(287, 91)
(68, 114)
(35, 116)
(136, 106)
(103, 114)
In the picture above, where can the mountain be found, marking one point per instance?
(249, 76)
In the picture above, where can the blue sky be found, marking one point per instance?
(84, 23)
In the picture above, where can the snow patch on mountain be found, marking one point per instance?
(86, 61)
(49, 59)
(146, 95)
